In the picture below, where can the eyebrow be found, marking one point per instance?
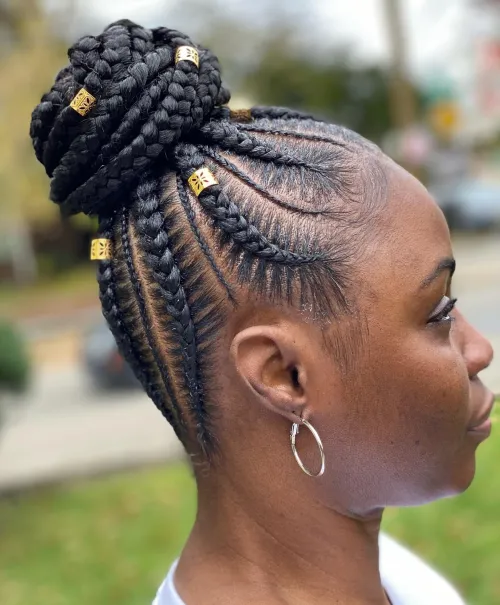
(443, 265)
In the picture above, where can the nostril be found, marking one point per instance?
(491, 354)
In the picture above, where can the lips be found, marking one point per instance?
(483, 420)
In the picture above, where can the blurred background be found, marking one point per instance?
(95, 500)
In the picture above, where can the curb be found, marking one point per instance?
(24, 485)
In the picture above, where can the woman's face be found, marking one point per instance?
(398, 428)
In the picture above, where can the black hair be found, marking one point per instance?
(285, 224)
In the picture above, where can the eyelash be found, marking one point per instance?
(444, 315)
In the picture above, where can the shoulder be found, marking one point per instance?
(167, 595)
(410, 581)
(406, 578)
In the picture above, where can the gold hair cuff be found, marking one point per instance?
(83, 102)
(240, 115)
(100, 249)
(201, 179)
(187, 53)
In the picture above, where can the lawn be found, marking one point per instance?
(111, 540)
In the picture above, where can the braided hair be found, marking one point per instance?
(282, 226)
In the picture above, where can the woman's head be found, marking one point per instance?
(288, 282)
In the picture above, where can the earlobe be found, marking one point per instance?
(268, 361)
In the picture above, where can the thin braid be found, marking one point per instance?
(150, 221)
(222, 161)
(150, 98)
(101, 143)
(98, 64)
(183, 197)
(111, 308)
(230, 136)
(230, 219)
(290, 133)
(136, 284)
(101, 124)
(280, 113)
(67, 120)
(45, 113)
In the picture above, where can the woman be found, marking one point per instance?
(264, 272)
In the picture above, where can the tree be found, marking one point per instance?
(14, 363)
(27, 67)
(326, 84)
(283, 58)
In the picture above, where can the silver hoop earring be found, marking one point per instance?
(293, 434)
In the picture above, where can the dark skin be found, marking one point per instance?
(396, 428)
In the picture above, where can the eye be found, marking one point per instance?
(442, 313)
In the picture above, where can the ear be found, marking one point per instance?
(268, 358)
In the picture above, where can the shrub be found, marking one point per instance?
(14, 360)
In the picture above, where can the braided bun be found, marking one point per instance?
(145, 103)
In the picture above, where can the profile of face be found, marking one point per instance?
(401, 425)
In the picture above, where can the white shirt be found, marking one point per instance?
(407, 580)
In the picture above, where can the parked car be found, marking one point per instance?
(105, 365)
(470, 204)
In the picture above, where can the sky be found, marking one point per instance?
(432, 26)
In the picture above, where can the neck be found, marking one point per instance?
(248, 548)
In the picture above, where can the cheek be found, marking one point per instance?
(405, 421)
(427, 381)
(416, 384)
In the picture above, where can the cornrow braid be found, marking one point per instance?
(279, 113)
(281, 223)
(232, 222)
(184, 199)
(217, 157)
(259, 112)
(291, 133)
(120, 321)
(172, 414)
(234, 138)
(150, 223)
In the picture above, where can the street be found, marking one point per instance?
(64, 428)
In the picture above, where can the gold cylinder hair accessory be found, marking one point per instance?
(201, 179)
(83, 102)
(100, 249)
(187, 53)
(240, 115)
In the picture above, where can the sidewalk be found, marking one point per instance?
(79, 433)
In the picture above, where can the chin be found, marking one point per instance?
(462, 477)
(453, 483)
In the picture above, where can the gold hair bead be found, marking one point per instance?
(187, 53)
(100, 249)
(201, 179)
(83, 102)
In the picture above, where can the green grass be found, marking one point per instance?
(111, 540)
(107, 541)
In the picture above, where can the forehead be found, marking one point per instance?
(412, 235)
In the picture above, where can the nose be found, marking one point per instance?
(477, 349)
